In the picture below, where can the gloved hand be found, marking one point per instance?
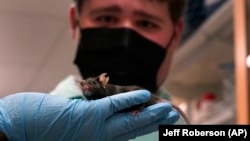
(43, 117)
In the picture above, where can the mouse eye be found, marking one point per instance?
(94, 83)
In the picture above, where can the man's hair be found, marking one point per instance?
(176, 8)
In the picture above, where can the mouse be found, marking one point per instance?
(98, 87)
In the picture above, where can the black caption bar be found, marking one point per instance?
(223, 132)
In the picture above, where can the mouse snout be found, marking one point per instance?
(86, 87)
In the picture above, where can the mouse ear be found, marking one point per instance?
(104, 79)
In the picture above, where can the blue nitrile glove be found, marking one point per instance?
(43, 117)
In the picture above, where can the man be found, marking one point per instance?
(131, 40)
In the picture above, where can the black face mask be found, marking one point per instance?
(127, 57)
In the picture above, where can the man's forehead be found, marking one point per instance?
(155, 6)
(150, 9)
(128, 2)
(159, 1)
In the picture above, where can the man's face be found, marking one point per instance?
(149, 18)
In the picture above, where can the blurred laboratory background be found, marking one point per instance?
(207, 78)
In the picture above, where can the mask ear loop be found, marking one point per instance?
(77, 17)
(171, 40)
(77, 20)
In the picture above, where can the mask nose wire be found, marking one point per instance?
(126, 38)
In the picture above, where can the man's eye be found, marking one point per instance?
(146, 24)
(106, 19)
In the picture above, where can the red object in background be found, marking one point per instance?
(206, 97)
(209, 96)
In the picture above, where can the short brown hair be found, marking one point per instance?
(176, 8)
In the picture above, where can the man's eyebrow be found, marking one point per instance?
(112, 8)
(148, 16)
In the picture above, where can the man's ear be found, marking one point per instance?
(179, 31)
(178, 35)
(165, 66)
(73, 20)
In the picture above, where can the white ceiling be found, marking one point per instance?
(36, 49)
